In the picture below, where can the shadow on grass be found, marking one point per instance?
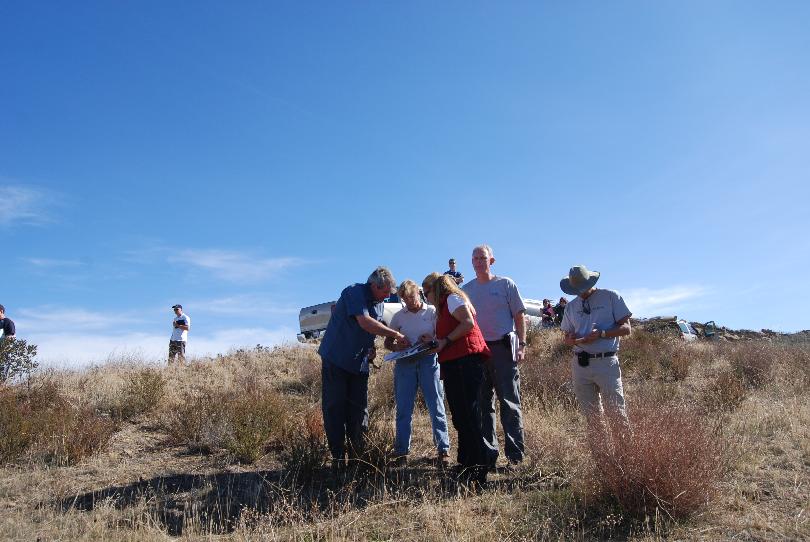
(217, 503)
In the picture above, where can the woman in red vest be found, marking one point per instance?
(461, 352)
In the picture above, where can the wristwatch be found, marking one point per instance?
(522, 343)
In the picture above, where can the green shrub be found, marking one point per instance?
(142, 393)
(18, 358)
(252, 419)
(197, 420)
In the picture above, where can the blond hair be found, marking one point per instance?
(430, 279)
(408, 287)
(446, 286)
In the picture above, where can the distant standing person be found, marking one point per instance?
(457, 276)
(548, 314)
(501, 316)
(346, 351)
(177, 343)
(559, 310)
(417, 320)
(9, 331)
(594, 323)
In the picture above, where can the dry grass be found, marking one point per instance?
(234, 447)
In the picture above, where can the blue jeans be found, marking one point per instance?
(423, 373)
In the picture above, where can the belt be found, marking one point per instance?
(506, 340)
(602, 355)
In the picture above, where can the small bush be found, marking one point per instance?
(252, 418)
(44, 424)
(15, 427)
(725, 392)
(305, 452)
(16, 359)
(141, 394)
(670, 463)
(754, 361)
(197, 420)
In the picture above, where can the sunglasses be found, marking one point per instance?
(586, 306)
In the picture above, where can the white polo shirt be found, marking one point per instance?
(415, 324)
(181, 334)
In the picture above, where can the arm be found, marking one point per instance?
(465, 323)
(520, 329)
(370, 325)
(622, 329)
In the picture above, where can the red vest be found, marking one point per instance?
(471, 343)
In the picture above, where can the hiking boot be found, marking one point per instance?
(400, 462)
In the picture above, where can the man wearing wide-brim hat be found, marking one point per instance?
(594, 323)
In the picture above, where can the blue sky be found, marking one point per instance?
(249, 158)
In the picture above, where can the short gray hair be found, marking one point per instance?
(382, 278)
(487, 249)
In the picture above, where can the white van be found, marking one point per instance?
(314, 319)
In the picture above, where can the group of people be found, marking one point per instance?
(552, 316)
(477, 335)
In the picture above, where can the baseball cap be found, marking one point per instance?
(178, 306)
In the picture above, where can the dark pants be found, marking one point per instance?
(502, 379)
(344, 398)
(462, 382)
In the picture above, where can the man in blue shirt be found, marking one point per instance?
(346, 350)
(457, 276)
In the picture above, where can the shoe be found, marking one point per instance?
(443, 460)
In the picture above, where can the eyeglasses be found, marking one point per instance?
(586, 306)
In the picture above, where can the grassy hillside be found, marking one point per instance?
(233, 447)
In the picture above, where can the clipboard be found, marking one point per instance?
(410, 353)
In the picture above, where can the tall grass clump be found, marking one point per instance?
(196, 419)
(141, 394)
(668, 464)
(754, 361)
(44, 425)
(545, 375)
(304, 450)
(252, 419)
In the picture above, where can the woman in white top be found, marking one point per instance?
(417, 321)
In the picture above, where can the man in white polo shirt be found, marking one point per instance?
(177, 343)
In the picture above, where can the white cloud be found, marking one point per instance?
(646, 302)
(54, 319)
(242, 304)
(235, 266)
(81, 349)
(22, 205)
(51, 263)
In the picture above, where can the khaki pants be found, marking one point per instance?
(178, 349)
(600, 382)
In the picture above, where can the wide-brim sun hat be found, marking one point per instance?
(579, 280)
